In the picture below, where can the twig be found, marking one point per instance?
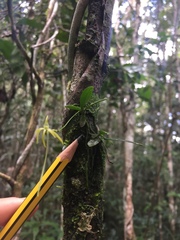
(47, 41)
(52, 8)
(6, 34)
(19, 44)
(8, 179)
(23, 156)
(74, 30)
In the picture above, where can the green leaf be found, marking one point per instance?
(129, 31)
(93, 142)
(148, 51)
(31, 23)
(145, 93)
(131, 50)
(163, 36)
(18, 70)
(63, 36)
(6, 47)
(103, 133)
(98, 101)
(73, 107)
(86, 95)
(171, 194)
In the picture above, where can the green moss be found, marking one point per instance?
(83, 201)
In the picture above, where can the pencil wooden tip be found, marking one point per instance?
(69, 152)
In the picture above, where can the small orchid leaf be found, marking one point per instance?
(98, 101)
(103, 133)
(86, 95)
(73, 107)
(93, 142)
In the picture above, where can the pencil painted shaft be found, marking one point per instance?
(33, 199)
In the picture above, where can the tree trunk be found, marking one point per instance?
(160, 199)
(83, 180)
(176, 21)
(129, 123)
(170, 163)
(128, 116)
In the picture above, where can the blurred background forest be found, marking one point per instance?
(143, 80)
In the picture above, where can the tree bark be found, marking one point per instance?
(83, 180)
(129, 123)
(170, 163)
(128, 118)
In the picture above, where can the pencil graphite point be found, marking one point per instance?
(69, 152)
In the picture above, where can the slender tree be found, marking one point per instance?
(128, 115)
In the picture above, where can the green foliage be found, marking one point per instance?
(13, 56)
(39, 230)
(88, 103)
(97, 138)
(145, 93)
(33, 23)
(45, 224)
(6, 47)
(86, 96)
(87, 100)
(62, 36)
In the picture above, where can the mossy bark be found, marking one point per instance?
(83, 179)
(83, 190)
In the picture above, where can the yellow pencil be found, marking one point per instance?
(35, 196)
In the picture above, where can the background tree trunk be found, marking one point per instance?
(129, 123)
(128, 118)
(170, 163)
